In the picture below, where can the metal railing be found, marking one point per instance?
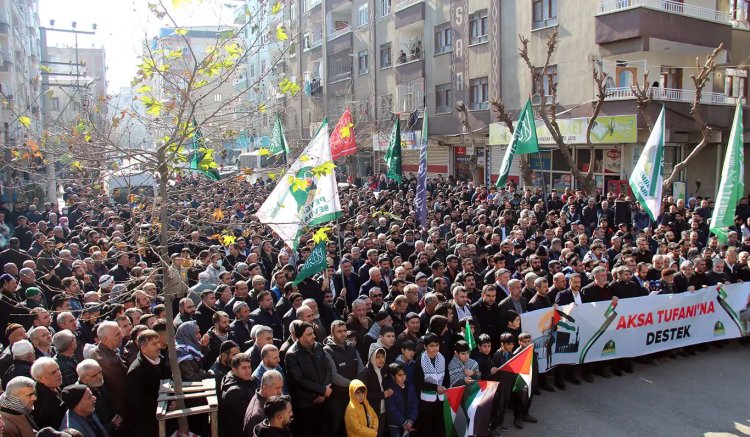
(403, 4)
(339, 77)
(669, 6)
(338, 33)
(673, 95)
(310, 4)
(313, 45)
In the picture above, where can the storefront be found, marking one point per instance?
(614, 137)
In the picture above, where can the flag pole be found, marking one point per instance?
(544, 182)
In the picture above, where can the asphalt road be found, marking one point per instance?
(707, 394)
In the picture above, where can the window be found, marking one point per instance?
(363, 15)
(478, 28)
(479, 93)
(55, 103)
(385, 55)
(443, 38)
(544, 13)
(362, 62)
(252, 70)
(218, 98)
(740, 11)
(735, 82)
(551, 71)
(384, 7)
(443, 98)
(385, 107)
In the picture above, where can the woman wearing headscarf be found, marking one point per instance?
(16, 405)
(188, 338)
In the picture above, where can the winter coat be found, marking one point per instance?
(402, 405)
(235, 397)
(360, 419)
(143, 381)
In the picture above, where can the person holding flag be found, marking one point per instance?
(393, 154)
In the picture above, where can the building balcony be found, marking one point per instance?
(313, 45)
(240, 83)
(409, 67)
(626, 26)
(309, 5)
(400, 5)
(339, 77)
(333, 34)
(673, 95)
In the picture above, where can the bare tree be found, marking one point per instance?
(700, 80)
(548, 109)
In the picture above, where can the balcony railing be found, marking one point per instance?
(408, 58)
(344, 75)
(673, 95)
(335, 34)
(310, 4)
(669, 6)
(403, 4)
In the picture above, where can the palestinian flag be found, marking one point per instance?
(558, 322)
(467, 410)
(521, 366)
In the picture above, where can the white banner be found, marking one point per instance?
(637, 326)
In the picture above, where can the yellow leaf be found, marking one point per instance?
(76, 165)
(323, 169)
(321, 234)
(179, 3)
(174, 54)
(45, 68)
(262, 108)
(248, 171)
(228, 239)
(142, 89)
(304, 158)
(298, 184)
(346, 130)
(276, 8)
(272, 176)
(281, 33)
(25, 121)
(218, 215)
(180, 31)
(264, 152)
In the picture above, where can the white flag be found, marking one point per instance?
(647, 179)
(307, 195)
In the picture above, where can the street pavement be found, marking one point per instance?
(707, 394)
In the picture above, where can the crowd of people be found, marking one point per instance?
(366, 347)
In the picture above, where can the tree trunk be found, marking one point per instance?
(170, 287)
(526, 171)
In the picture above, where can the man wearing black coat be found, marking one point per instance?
(144, 377)
(237, 389)
(309, 379)
(624, 287)
(205, 311)
(266, 315)
(487, 315)
(49, 408)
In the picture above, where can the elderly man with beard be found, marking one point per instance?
(90, 374)
(48, 407)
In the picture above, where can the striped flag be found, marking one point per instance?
(647, 177)
(467, 410)
(421, 199)
(521, 366)
(469, 337)
(732, 187)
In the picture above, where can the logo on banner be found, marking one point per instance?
(719, 329)
(609, 348)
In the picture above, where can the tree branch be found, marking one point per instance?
(600, 79)
(700, 81)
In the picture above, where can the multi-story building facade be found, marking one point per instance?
(218, 111)
(388, 57)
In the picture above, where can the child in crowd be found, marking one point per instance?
(432, 379)
(483, 356)
(403, 405)
(462, 369)
(406, 359)
(360, 419)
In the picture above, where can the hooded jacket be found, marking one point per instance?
(360, 419)
(374, 380)
(235, 397)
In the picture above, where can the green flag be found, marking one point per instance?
(523, 141)
(732, 186)
(647, 178)
(469, 337)
(315, 263)
(202, 157)
(278, 139)
(393, 154)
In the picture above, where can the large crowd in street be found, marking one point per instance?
(367, 347)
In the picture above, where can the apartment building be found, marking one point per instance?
(388, 58)
(219, 110)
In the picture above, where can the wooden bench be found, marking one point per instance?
(191, 390)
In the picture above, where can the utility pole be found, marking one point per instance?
(51, 171)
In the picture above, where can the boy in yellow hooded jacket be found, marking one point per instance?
(360, 419)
